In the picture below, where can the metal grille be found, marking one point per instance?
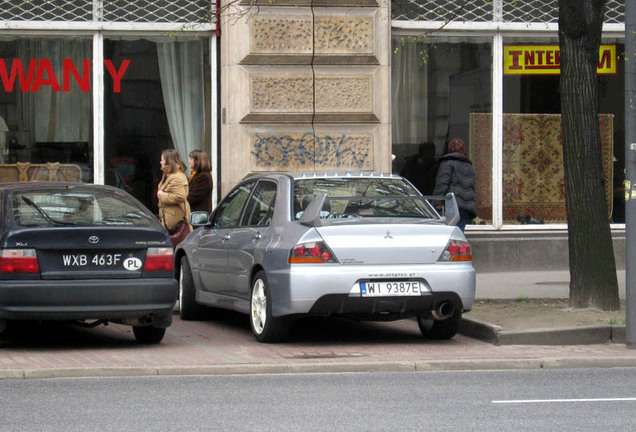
(46, 10)
(442, 10)
(527, 11)
(537, 11)
(146, 11)
(167, 11)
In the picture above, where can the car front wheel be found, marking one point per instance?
(266, 328)
(149, 335)
(440, 329)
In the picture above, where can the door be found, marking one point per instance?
(212, 251)
(250, 237)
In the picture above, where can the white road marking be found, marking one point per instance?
(521, 401)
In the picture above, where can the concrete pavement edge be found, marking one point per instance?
(316, 368)
(582, 335)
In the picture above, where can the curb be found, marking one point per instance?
(584, 335)
(317, 368)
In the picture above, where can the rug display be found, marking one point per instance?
(533, 178)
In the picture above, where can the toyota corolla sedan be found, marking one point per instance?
(84, 253)
(367, 246)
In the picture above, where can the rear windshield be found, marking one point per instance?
(362, 197)
(78, 206)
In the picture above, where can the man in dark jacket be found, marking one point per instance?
(456, 174)
(421, 168)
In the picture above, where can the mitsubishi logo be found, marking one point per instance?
(388, 235)
(93, 239)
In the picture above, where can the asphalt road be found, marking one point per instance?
(539, 400)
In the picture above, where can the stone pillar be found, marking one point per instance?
(305, 88)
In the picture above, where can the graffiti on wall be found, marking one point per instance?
(310, 150)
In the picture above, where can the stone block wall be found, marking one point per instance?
(304, 87)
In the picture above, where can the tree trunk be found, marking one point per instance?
(593, 281)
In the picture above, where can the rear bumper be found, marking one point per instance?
(303, 289)
(381, 308)
(114, 299)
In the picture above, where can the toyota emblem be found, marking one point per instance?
(93, 239)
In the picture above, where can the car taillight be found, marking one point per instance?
(159, 259)
(19, 261)
(315, 252)
(457, 250)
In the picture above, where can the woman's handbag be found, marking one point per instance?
(179, 233)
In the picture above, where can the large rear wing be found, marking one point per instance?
(448, 213)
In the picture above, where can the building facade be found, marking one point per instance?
(105, 85)
(306, 85)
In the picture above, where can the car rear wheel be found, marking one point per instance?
(188, 307)
(266, 328)
(149, 335)
(440, 329)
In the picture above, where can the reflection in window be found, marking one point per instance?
(45, 108)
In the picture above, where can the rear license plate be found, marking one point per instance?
(390, 288)
(93, 260)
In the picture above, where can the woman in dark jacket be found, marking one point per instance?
(456, 174)
(200, 182)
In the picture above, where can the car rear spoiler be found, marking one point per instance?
(311, 215)
(451, 211)
(450, 214)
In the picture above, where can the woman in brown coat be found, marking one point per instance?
(200, 195)
(172, 192)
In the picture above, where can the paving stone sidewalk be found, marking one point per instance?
(226, 346)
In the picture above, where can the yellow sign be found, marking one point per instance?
(546, 60)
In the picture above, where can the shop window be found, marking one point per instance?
(437, 83)
(163, 103)
(45, 109)
(533, 179)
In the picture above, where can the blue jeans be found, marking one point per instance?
(464, 218)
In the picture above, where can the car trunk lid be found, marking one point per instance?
(89, 252)
(386, 243)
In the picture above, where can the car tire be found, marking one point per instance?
(188, 307)
(265, 326)
(149, 335)
(440, 329)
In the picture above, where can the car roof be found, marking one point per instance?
(35, 185)
(321, 174)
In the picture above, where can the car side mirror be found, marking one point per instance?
(199, 218)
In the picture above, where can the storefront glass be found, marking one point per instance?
(438, 84)
(533, 180)
(45, 109)
(163, 102)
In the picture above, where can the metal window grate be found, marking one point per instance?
(145, 11)
(538, 11)
(167, 11)
(46, 10)
(526, 11)
(442, 10)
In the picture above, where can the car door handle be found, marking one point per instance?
(257, 236)
(226, 237)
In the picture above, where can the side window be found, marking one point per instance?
(260, 208)
(229, 212)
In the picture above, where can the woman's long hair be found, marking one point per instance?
(173, 160)
(201, 161)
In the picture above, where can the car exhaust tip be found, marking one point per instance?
(443, 311)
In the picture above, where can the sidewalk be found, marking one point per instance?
(537, 285)
(513, 285)
(225, 345)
